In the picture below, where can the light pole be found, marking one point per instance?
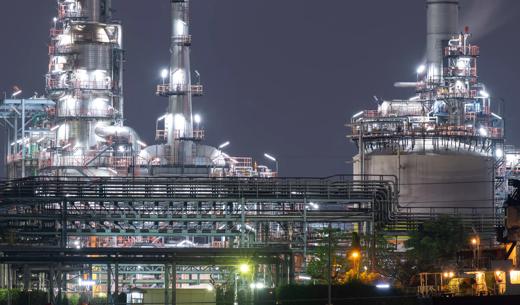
(270, 157)
(475, 242)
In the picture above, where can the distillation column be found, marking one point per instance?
(85, 77)
(442, 24)
(179, 122)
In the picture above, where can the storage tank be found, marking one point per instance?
(445, 145)
(437, 182)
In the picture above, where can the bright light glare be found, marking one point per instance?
(383, 286)
(357, 114)
(421, 69)
(244, 268)
(86, 283)
(161, 118)
(164, 73)
(483, 132)
(223, 145)
(484, 94)
(305, 277)
(499, 153)
(15, 94)
(257, 285)
(314, 206)
(197, 118)
(141, 143)
(268, 156)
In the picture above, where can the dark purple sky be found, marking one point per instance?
(281, 76)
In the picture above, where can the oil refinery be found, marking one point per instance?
(90, 208)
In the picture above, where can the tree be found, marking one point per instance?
(318, 268)
(435, 243)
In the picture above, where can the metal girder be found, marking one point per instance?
(182, 256)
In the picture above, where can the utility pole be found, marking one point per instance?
(330, 266)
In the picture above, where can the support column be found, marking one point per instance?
(174, 284)
(59, 283)
(243, 224)
(166, 283)
(24, 150)
(51, 285)
(64, 224)
(9, 284)
(26, 277)
(305, 234)
(116, 282)
(291, 269)
(109, 284)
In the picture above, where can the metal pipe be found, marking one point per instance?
(405, 84)
(442, 24)
(94, 10)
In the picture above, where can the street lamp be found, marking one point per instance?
(475, 242)
(355, 255)
(270, 157)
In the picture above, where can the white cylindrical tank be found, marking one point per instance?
(437, 183)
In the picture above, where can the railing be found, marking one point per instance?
(179, 89)
(461, 51)
(64, 49)
(55, 32)
(80, 112)
(198, 134)
(182, 39)
(65, 12)
(55, 84)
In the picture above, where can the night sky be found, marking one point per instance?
(281, 76)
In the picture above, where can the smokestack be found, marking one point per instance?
(180, 122)
(442, 24)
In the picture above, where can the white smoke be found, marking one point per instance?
(485, 16)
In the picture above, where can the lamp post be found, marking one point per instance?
(270, 157)
(475, 242)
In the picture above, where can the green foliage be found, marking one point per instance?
(436, 242)
(19, 297)
(317, 267)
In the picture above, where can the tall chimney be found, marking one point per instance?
(442, 24)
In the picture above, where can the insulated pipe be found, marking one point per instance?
(119, 132)
(442, 24)
(405, 84)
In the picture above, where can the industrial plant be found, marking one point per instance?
(90, 208)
